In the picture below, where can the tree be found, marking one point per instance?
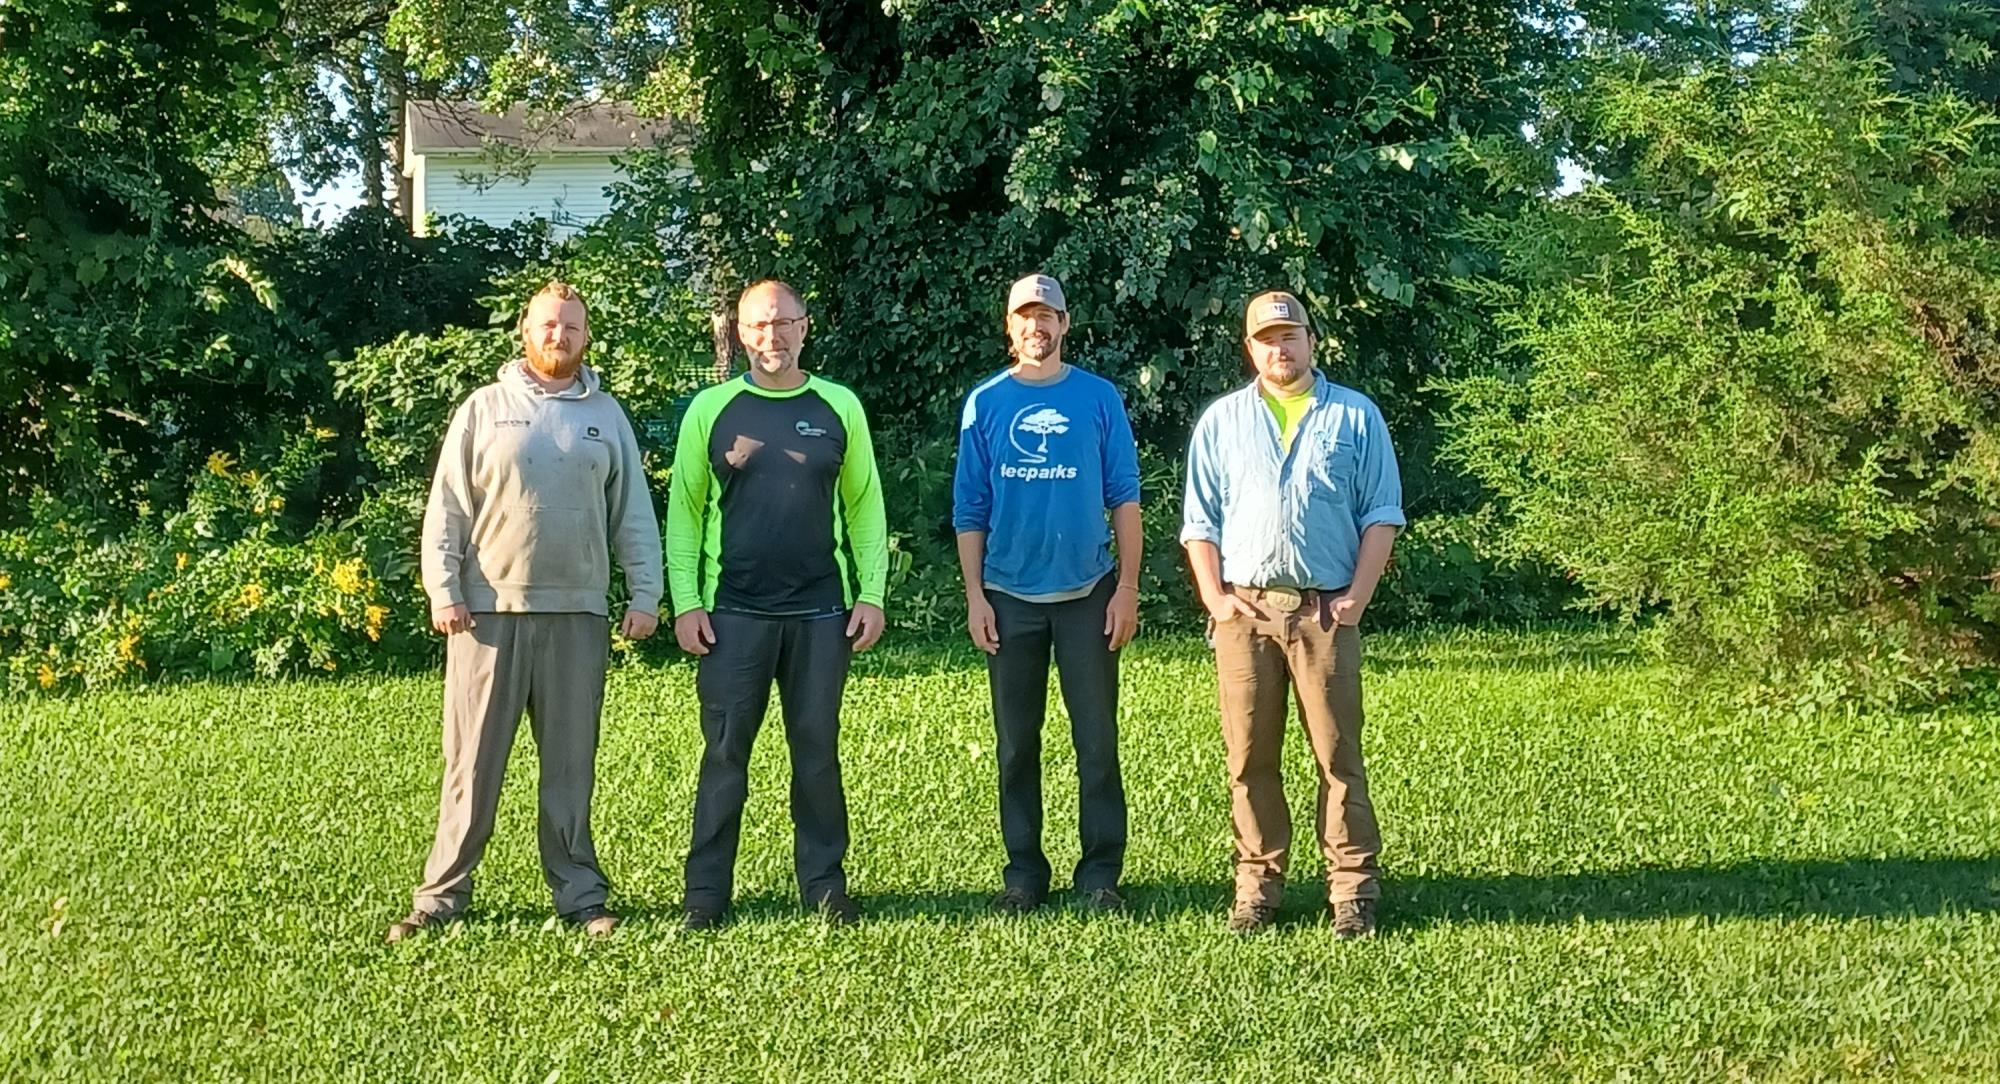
(1758, 386)
(126, 304)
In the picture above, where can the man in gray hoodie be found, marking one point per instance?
(538, 480)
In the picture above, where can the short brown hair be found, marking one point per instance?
(556, 288)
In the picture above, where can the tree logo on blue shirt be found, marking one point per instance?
(1039, 420)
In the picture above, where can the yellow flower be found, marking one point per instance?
(377, 616)
(6, 581)
(324, 432)
(128, 650)
(221, 463)
(180, 561)
(348, 579)
(46, 676)
(251, 596)
(277, 504)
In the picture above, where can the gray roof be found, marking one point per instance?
(433, 126)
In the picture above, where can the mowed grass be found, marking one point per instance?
(1589, 877)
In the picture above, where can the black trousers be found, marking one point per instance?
(808, 659)
(1019, 676)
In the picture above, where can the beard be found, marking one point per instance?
(1284, 371)
(772, 361)
(1037, 348)
(554, 363)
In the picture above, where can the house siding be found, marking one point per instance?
(568, 190)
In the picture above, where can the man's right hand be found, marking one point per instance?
(694, 632)
(980, 622)
(1225, 605)
(452, 619)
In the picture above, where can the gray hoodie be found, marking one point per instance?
(530, 487)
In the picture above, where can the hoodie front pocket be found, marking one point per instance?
(540, 547)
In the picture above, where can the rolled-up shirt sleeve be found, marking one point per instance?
(1201, 515)
(1379, 485)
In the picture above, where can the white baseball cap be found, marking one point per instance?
(1036, 290)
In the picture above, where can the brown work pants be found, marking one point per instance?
(1257, 662)
(551, 666)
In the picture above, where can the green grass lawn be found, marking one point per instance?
(1589, 877)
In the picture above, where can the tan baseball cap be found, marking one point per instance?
(1273, 308)
(1036, 290)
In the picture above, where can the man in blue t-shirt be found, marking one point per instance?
(1044, 450)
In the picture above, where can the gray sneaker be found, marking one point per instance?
(1250, 916)
(1353, 919)
(596, 920)
(1104, 900)
(1014, 901)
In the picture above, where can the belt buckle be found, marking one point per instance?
(1284, 599)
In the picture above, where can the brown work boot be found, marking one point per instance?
(1353, 918)
(415, 921)
(1250, 916)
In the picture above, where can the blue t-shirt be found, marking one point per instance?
(1038, 466)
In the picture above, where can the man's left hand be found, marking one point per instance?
(864, 626)
(1347, 610)
(638, 624)
(1121, 617)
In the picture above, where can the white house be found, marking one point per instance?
(519, 165)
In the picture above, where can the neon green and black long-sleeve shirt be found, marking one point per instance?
(776, 506)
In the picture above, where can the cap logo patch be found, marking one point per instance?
(1279, 310)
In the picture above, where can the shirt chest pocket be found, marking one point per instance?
(1337, 463)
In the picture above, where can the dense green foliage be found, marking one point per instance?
(1741, 379)
(1166, 161)
(1760, 390)
(1587, 879)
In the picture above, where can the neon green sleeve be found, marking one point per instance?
(861, 502)
(688, 501)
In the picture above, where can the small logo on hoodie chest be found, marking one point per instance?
(590, 433)
(511, 423)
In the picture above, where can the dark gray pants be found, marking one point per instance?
(808, 659)
(1019, 676)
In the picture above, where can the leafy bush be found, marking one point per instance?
(1762, 391)
(219, 586)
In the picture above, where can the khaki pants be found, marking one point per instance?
(1258, 661)
(551, 666)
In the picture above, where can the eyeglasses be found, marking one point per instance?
(766, 326)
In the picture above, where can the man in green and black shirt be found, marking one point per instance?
(777, 555)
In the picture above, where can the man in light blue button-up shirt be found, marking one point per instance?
(1293, 503)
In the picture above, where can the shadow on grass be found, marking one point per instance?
(1849, 888)
(1853, 888)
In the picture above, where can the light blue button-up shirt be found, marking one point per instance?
(1290, 519)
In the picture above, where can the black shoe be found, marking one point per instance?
(838, 909)
(415, 921)
(1250, 916)
(1015, 901)
(1104, 900)
(597, 920)
(1353, 919)
(702, 918)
